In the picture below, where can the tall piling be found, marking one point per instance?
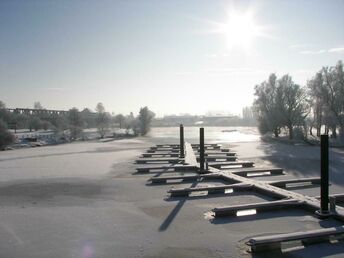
(324, 166)
(324, 174)
(181, 143)
(201, 149)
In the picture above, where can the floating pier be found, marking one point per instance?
(212, 162)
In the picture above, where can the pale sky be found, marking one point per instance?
(187, 56)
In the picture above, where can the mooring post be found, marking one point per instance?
(181, 144)
(324, 198)
(201, 149)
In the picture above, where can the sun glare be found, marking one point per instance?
(240, 30)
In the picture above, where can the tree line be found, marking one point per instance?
(74, 121)
(280, 103)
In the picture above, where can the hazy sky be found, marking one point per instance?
(174, 56)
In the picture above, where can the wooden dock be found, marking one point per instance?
(273, 242)
(236, 175)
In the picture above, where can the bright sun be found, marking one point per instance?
(240, 30)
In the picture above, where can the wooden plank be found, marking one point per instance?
(246, 172)
(207, 145)
(164, 179)
(219, 153)
(211, 148)
(236, 163)
(166, 168)
(193, 145)
(150, 155)
(190, 157)
(176, 146)
(159, 160)
(168, 145)
(222, 151)
(215, 158)
(283, 183)
(159, 180)
(270, 242)
(210, 189)
(163, 151)
(259, 206)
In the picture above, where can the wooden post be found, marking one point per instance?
(201, 149)
(324, 198)
(181, 144)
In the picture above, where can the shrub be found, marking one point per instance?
(6, 137)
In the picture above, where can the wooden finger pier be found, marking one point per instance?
(211, 161)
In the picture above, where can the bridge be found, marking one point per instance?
(38, 112)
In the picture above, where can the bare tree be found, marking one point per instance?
(102, 120)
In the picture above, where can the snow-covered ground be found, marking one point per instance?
(84, 200)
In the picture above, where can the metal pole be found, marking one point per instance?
(181, 144)
(324, 174)
(201, 149)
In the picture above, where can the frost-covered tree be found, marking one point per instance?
(266, 106)
(145, 119)
(35, 123)
(315, 91)
(334, 96)
(75, 123)
(6, 137)
(292, 104)
(2, 105)
(280, 103)
(102, 120)
(37, 105)
(120, 120)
